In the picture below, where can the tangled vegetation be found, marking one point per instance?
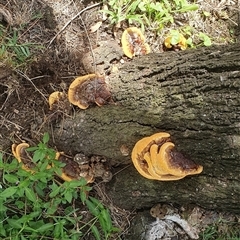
(38, 206)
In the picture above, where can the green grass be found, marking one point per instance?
(221, 230)
(13, 52)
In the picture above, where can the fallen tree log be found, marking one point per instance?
(195, 96)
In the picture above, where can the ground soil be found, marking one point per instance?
(24, 90)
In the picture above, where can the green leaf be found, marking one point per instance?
(45, 138)
(95, 232)
(11, 178)
(8, 192)
(55, 190)
(30, 194)
(190, 7)
(44, 165)
(97, 203)
(20, 204)
(2, 207)
(68, 195)
(38, 155)
(45, 227)
(31, 149)
(206, 40)
(39, 191)
(92, 208)
(77, 183)
(83, 196)
(14, 223)
(107, 218)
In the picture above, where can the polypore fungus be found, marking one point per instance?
(87, 90)
(133, 43)
(176, 41)
(175, 162)
(141, 148)
(73, 171)
(55, 98)
(20, 153)
(155, 158)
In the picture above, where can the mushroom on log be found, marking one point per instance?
(195, 96)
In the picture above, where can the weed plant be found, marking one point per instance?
(12, 52)
(156, 16)
(35, 205)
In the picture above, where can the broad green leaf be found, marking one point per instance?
(30, 194)
(14, 223)
(206, 40)
(31, 149)
(68, 195)
(55, 192)
(38, 155)
(11, 178)
(45, 227)
(76, 183)
(8, 192)
(39, 191)
(44, 166)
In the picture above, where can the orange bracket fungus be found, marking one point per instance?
(133, 43)
(156, 158)
(71, 171)
(54, 98)
(87, 90)
(20, 153)
(176, 41)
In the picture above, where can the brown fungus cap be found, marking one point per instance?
(133, 43)
(72, 171)
(87, 90)
(176, 163)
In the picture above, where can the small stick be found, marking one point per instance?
(74, 17)
(26, 77)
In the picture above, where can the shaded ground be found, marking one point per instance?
(59, 55)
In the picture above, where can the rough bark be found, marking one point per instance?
(194, 95)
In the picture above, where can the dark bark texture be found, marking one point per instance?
(194, 95)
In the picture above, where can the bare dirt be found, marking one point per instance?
(65, 45)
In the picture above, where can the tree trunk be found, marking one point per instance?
(194, 95)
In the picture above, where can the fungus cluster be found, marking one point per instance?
(75, 168)
(155, 158)
(133, 43)
(71, 171)
(87, 90)
(82, 92)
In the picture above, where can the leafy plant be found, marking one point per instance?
(205, 39)
(37, 206)
(12, 51)
(146, 12)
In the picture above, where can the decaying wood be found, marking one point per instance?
(195, 96)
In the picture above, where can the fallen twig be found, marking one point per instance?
(74, 17)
